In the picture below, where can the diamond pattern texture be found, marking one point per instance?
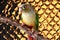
(49, 18)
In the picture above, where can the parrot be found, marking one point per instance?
(29, 17)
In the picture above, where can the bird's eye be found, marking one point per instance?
(26, 6)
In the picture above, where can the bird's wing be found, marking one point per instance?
(20, 16)
(37, 22)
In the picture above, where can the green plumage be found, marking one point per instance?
(20, 17)
(37, 22)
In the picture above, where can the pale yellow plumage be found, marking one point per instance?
(29, 18)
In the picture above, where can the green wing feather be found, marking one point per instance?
(37, 22)
(20, 17)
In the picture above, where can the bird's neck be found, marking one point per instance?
(26, 12)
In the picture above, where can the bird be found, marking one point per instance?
(29, 17)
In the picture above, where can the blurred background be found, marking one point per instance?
(49, 19)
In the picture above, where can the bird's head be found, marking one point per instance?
(25, 7)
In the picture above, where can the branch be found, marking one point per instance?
(14, 23)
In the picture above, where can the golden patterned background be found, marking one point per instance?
(49, 18)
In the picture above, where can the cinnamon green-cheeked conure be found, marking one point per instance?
(29, 17)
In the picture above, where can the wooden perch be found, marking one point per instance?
(14, 23)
